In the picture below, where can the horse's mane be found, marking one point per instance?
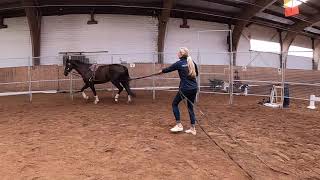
(82, 61)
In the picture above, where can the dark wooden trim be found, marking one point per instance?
(228, 3)
(314, 63)
(34, 20)
(281, 46)
(248, 13)
(162, 26)
(2, 25)
(291, 35)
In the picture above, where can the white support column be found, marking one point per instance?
(229, 31)
(231, 69)
(30, 78)
(112, 86)
(199, 70)
(71, 86)
(153, 77)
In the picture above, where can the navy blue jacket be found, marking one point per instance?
(186, 82)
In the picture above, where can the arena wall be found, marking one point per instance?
(133, 39)
(137, 37)
(55, 80)
(113, 33)
(15, 43)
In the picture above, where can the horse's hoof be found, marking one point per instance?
(95, 102)
(116, 100)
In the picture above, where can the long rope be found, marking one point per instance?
(224, 132)
(211, 139)
(142, 77)
(131, 79)
(228, 135)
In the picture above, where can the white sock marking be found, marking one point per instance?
(84, 95)
(116, 97)
(96, 100)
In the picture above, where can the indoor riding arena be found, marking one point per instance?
(256, 67)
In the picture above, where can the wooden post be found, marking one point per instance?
(34, 20)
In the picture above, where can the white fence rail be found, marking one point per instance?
(260, 78)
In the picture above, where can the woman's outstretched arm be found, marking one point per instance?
(171, 68)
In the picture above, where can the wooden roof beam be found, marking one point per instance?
(248, 13)
(228, 3)
(294, 31)
(2, 25)
(163, 21)
(34, 20)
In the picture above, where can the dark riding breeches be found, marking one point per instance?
(191, 96)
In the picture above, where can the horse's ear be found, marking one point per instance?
(66, 59)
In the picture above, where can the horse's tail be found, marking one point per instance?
(127, 82)
(126, 74)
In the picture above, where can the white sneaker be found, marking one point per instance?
(191, 131)
(177, 128)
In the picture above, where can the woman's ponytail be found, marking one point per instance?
(191, 67)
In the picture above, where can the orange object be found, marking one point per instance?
(291, 11)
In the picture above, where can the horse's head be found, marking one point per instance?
(69, 66)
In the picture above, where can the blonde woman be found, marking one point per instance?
(188, 88)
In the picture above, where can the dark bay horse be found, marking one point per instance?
(116, 73)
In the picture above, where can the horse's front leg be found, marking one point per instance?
(83, 93)
(96, 100)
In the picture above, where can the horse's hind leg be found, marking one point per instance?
(83, 93)
(96, 100)
(120, 89)
(127, 87)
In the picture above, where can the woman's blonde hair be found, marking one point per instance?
(192, 69)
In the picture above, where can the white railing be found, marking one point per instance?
(259, 78)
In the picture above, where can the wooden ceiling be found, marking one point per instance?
(223, 11)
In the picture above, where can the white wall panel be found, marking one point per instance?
(296, 62)
(210, 42)
(259, 59)
(15, 43)
(113, 33)
(244, 55)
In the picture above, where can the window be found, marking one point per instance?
(293, 3)
(300, 51)
(273, 47)
(264, 46)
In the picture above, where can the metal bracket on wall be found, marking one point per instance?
(2, 26)
(184, 23)
(92, 20)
